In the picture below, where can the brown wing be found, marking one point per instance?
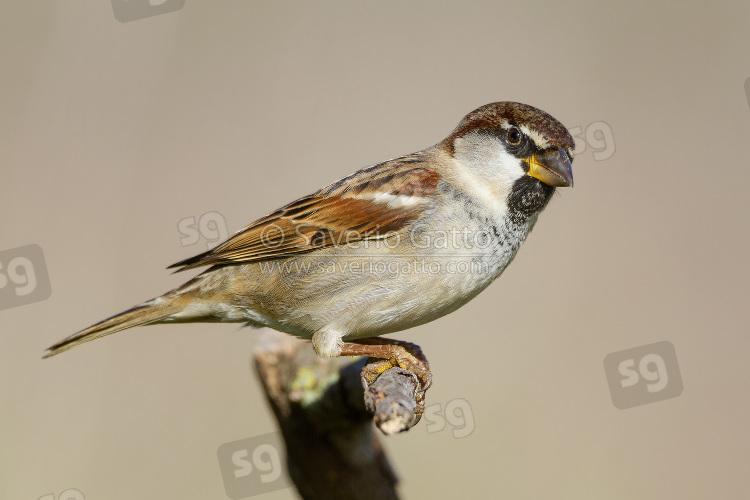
(368, 204)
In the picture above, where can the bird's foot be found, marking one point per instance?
(389, 353)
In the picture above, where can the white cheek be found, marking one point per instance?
(487, 170)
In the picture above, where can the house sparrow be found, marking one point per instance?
(390, 247)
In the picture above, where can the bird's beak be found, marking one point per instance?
(552, 168)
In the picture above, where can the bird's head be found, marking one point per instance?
(518, 152)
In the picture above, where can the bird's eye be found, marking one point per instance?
(514, 136)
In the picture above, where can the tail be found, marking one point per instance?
(153, 311)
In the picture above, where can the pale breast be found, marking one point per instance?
(370, 288)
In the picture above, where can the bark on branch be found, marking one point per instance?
(325, 416)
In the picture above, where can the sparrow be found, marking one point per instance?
(390, 247)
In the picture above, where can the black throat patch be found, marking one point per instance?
(528, 197)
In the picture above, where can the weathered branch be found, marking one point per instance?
(324, 415)
(392, 399)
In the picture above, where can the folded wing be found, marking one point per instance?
(369, 204)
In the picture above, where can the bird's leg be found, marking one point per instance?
(392, 353)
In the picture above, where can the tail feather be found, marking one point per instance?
(147, 313)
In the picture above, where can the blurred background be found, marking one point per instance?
(136, 134)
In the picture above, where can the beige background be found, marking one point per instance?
(111, 133)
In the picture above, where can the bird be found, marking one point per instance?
(390, 247)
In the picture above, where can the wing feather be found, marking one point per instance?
(369, 204)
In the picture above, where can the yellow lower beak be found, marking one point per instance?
(552, 168)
